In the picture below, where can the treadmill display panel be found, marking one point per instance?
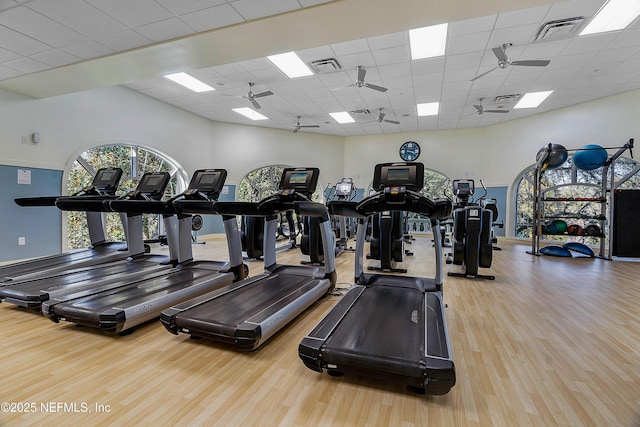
(209, 181)
(303, 180)
(409, 175)
(107, 179)
(344, 188)
(153, 184)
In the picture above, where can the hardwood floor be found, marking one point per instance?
(550, 342)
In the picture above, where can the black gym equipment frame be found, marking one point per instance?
(247, 313)
(129, 301)
(390, 327)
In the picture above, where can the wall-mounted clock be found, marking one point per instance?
(409, 151)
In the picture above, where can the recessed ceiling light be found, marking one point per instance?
(614, 15)
(290, 64)
(250, 114)
(187, 81)
(532, 99)
(428, 109)
(427, 42)
(342, 117)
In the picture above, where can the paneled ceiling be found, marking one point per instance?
(55, 47)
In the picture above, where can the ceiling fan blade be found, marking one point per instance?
(479, 109)
(255, 104)
(361, 73)
(500, 54)
(391, 121)
(375, 87)
(235, 96)
(261, 94)
(483, 74)
(310, 126)
(496, 111)
(533, 62)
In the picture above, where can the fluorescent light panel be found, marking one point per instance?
(342, 117)
(428, 42)
(290, 64)
(532, 99)
(428, 109)
(189, 82)
(614, 15)
(250, 114)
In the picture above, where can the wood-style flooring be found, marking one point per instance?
(550, 342)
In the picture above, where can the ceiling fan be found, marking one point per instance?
(381, 118)
(361, 83)
(481, 110)
(299, 126)
(504, 61)
(252, 96)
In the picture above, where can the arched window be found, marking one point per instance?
(566, 182)
(134, 161)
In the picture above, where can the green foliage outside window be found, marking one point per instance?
(134, 161)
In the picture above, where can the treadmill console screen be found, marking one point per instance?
(344, 188)
(303, 180)
(107, 179)
(153, 184)
(208, 181)
(463, 187)
(409, 175)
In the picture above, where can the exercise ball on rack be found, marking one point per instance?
(557, 156)
(575, 230)
(590, 157)
(560, 226)
(593, 230)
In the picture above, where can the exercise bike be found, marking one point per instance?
(472, 232)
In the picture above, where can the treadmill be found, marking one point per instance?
(103, 187)
(130, 301)
(31, 291)
(249, 312)
(391, 327)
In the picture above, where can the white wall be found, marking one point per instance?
(70, 124)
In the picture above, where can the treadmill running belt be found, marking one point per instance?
(224, 314)
(383, 332)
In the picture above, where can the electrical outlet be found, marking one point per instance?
(22, 241)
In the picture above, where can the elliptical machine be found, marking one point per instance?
(472, 238)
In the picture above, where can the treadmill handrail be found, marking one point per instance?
(36, 201)
(85, 203)
(409, 201)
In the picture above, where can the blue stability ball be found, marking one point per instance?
(590, 157)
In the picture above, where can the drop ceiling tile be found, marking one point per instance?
(181, 7)
(389, 40)
(474, 25)
(213, 17)
(165, 30)
(465, 60)
(350, 47)
(6, 55)
(467, 43)
(591, 43)
(133, 13)
(391, 55)
(26, 65)
(124, 40)
(430, 65)
(350, 62)
(16, 42)
(254, 9)
(518, 36)
(55, 58)
(572, 8)
(534, 15)
(79, 16)
(88, 49)
(39, 27)
(7, 73)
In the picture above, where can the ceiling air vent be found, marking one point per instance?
(360, 114)
(507, 99)
(324, 66)
(558, 29)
